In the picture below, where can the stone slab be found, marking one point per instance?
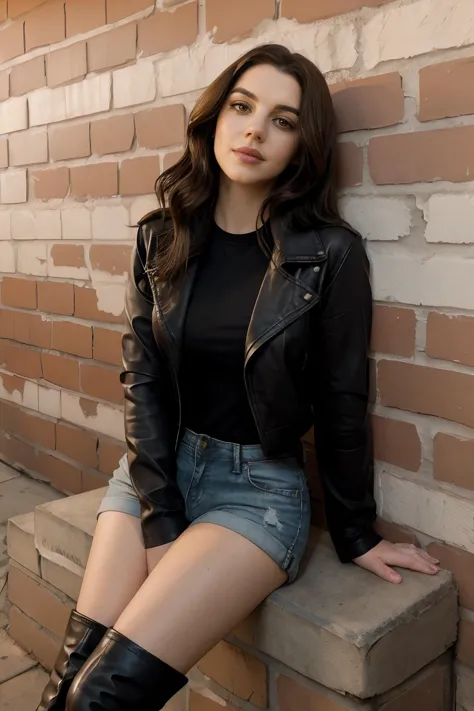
(21, 542)
(21, 495)
(7, 473)
(23, 693)
(61, 578)
(13, 660)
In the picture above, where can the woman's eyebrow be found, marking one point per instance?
(281, 107)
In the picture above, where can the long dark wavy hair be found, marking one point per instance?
(304, 193)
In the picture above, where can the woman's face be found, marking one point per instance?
(257, 130)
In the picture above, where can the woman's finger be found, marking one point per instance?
(411, 561)
(378, 567)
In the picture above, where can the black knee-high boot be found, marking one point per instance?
(122, 676)
(81, 638)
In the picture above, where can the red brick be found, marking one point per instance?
(77, 444)
(61, 371)
(164, 31)
(396, 534)
(86, 306)
(423, 156)
(397, 442)
(466, 643)
(461, 564)
(139, 175)
(450, 338)
(108, 345)
(66, 65)
(83, 16)
(305, 11)
(430, 391)
(68, 255)
(93, 480)
(35, 639)
(28, 76)
(113, 48)
(45, 25)
(72, 338)
(20, 7)
(446, 90)
(64, 476)
(296, 697)
(110, 454)
(119, 9)
(96, 180)
(31, 329)
(374, 102)
(26, 425)
(101, 382)
(20, 360)
(454, 460)
(350, 160)
(7, 324)
(237, 671)
(112, 135)
(111, 259)
(19, 293)
(394, 330)
(3, 10)
(203, 703)
(51, 183)
(12, 42)
(428, 691)
(161, 127)
(69, 142)
(56, 297)
(236, 19)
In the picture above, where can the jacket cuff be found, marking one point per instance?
(348, 550)
(159, 530)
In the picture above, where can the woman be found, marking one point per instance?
(248, 320)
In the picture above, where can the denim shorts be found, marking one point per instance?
(265, 500)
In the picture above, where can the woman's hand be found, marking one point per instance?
(402, 555)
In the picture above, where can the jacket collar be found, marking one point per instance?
(291, 246)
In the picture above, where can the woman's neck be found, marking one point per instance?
(238, 206)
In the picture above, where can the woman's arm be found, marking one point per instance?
(148, 429)
(340, 400)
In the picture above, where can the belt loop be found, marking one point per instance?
(237, 459)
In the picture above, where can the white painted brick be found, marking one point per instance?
(49, 401)
(33, 258)
(111, 223)
(400, 31)
(107, 420)
(47, 106)
(76, 223)
(141, 207)
(377, 218)
(7, 257)
(13, 115)
(90, 96)
(110, 298)
(41, 224)
(425, 508)
(18, 390)
(450, 218)
(330, 44)
(13, 187)
(5, 224)
(33, 143)
(134, 85)
(416, 279)
(66, 272)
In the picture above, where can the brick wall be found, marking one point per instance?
(93, 100)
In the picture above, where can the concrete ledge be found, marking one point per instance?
(338, 626)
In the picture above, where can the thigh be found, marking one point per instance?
(210, 579)
(116, 568)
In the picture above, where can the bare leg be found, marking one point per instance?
(209, 567)
(116, 568)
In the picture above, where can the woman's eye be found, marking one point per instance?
(240, 106)
(284, 123)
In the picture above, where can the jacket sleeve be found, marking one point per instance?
(149, 427)
(340, 403)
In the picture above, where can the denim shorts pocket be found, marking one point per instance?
(276, 476)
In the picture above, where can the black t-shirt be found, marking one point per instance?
(214, 396)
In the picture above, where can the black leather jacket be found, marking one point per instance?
(306, 363)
